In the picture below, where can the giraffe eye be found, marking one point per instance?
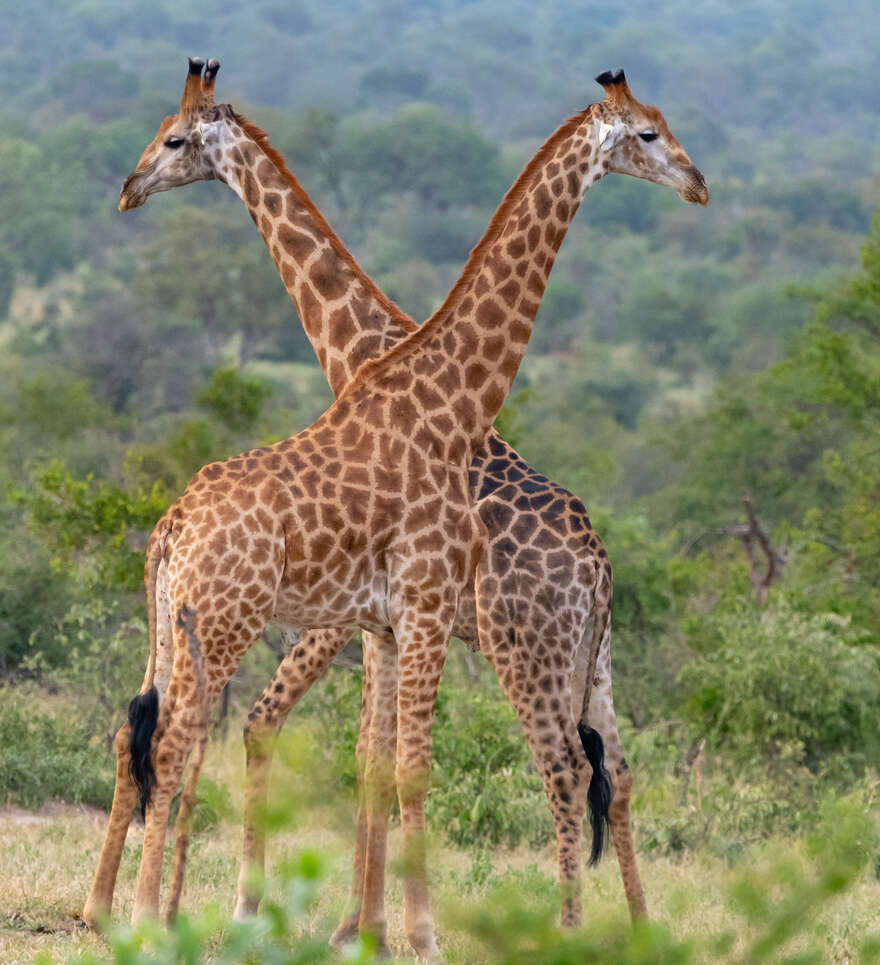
(648, 136)
(174, 142)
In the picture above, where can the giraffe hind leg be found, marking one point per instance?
(182, 829)
(125, 794)
(540, 691)
(134, 782)
(185, 620)
(602, 717)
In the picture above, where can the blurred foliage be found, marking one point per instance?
(272, 938)
(774, 905)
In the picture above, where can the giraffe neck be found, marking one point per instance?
(346, 317)
(470, 350)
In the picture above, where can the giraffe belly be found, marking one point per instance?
(325, 605)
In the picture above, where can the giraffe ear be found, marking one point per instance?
(608, 135)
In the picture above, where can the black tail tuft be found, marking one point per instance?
(143, 712)
(601, 789)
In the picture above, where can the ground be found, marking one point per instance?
(48, 858)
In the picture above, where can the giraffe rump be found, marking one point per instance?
(143, 712)
(600, 791)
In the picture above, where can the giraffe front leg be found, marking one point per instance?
(347, 928)
(100, 899)
(422, 655)
(378, 789)
(306, 660)
(182, 826)
(172, 749)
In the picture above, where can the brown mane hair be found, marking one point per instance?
(261, 139)
(514, 194)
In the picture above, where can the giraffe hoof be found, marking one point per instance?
(245, 910)
(92, 919)
(346, 931)
(425, 947)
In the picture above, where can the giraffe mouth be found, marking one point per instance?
(696, 191)
(130, 197)
(126, 204)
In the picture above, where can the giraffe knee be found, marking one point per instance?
(379, 781)
(412, 783)
(257, 733)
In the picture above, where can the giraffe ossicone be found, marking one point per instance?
(405, 433)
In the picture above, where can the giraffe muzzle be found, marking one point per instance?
(695, 191)
(131, 196)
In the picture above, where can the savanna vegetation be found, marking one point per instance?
(708, 381)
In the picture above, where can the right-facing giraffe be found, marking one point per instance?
(532, 522)
(448, 378)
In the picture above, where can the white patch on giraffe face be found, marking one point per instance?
(216, 134)
(602, 137)
(210, 132)
(608, 135)
(226, 173)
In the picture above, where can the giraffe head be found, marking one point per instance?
(635, 139)
(180, 152)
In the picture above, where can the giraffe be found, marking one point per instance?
(450, 377)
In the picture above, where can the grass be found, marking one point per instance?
(48, 858)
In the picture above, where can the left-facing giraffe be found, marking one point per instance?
(433, 395)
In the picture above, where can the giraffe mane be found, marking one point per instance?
(261, 139)
(372, 367)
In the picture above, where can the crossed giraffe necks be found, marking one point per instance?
(470, 350)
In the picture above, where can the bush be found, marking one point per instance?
(42, 757)
(484, 789)
(798, 686)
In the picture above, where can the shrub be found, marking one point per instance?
(801, 687)
(43, 757)
(484, 790)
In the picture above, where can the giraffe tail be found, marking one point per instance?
(601, 789)
(143, 711)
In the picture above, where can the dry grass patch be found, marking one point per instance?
(48, 859)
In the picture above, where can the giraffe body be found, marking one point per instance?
(429, 401)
